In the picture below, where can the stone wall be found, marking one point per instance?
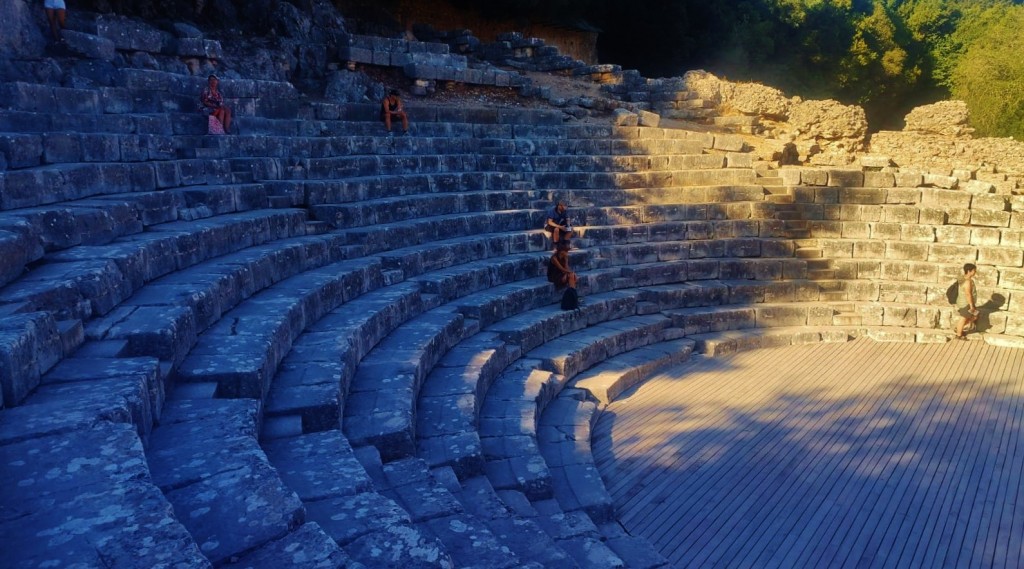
(937, 139)
(442, 15)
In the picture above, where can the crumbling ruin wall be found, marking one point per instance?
(826, 132)
(937, 138)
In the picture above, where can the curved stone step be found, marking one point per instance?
(380, 409)
(308, 546)
(55, 183)
(97, 511)
(341, 498)
(241, 351)
(389, 210)
(644, 180)
(521, 535)
(205, 458)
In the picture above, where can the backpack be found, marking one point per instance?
(570, 299)
(953, 292)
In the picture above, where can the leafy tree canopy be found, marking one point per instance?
(887, 55)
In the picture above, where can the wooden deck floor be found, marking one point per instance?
(863, 454)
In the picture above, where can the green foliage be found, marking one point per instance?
(990, 75)
(886, 55)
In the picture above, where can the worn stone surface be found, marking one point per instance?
(347, 518)
(63, 408)
(85, 498)
(29, 346)
(237, 510)
(400, 546)
(307, 547)
(318, 465)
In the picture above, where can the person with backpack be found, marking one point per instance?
(559, 272)
(968, 297)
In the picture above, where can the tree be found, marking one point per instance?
(990, 75)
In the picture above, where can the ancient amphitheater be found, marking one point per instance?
(310, 345)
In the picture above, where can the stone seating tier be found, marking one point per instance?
(393, 272)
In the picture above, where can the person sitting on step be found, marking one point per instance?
(557, 224)
(559, 272)
(212, 103)
(392, 108)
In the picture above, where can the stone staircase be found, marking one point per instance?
(309, 341)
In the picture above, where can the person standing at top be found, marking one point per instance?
(392, 108)
(968, 297)
(213, 103)
(557, 224)
(56, 13)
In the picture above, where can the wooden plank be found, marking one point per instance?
(853, 547)
(817, 512)
(786, 504)
(708, 476)
(937, 516)
(890, 488)
(763, 459)
(857, 481)
(1008, 543)
(929, 493)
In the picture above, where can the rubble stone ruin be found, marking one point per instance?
(307, 344)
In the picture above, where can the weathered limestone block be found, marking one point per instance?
(1011, 279)
(944, 253)
(308, 546)
(985, 237)
(648, 118)
(903, 196)
(846, 178)
(858, 195)
(1002, 257)
(21, 150)
(84, 498)
(65, 407)
(623, 117)
(879, 180)
(989, 218)
(739, 160)
(990, 202)
(30, 344)
(952, 234)
(978, 186)
(127, 34)
(230, 513)
(790, 176)
(918, 233)
(909, 179)
(940, 181)
(88, 45)
(907, 251)
(945, 199)
(729, 143)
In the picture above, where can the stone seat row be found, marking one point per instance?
(418, 494)
(445, 324)
(85, 282)
(31, 139)
(698, 259)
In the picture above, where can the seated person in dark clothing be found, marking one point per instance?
(559, 272)
(557, 224)
(392, 108)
